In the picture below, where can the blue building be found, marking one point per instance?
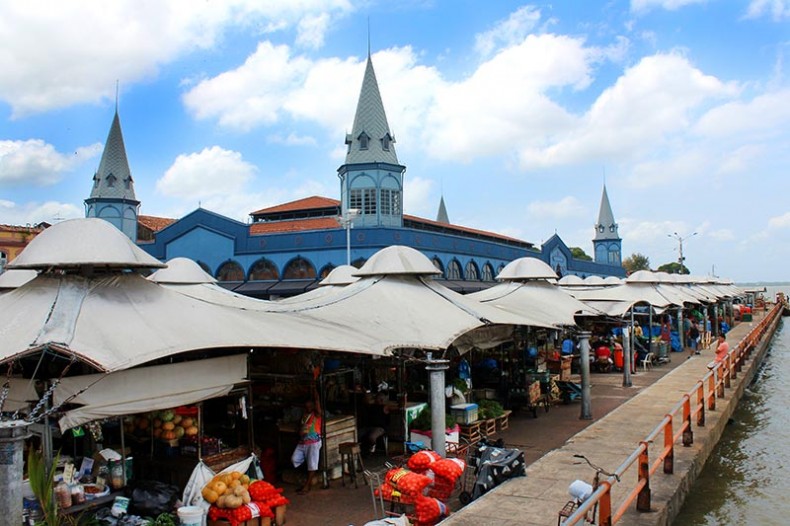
(607, 244)
(287, 249)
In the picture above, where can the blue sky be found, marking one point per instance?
(515, 112)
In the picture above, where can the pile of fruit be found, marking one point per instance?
(228, 490)
(236, 499)
(166, 425)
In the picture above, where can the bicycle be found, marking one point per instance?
(581, 491)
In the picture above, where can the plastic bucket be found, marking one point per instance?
(190, 515)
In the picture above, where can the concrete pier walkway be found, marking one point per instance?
(537, 498)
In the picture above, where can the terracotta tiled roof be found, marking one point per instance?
(307, 203)
(462, 229)
(20, 228)
(274, 227)
(154, 223)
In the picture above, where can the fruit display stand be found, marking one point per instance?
(176, 439)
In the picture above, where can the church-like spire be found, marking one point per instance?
(113, 179)
(606, 228)
(442, 217)
(112, 195)
(370, 140)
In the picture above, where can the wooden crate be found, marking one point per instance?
(488, 427)
(503, 422)
(471, 432)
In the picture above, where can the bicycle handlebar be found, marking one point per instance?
(598, 468)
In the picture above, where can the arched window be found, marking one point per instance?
(326, 270)
(205, 267)
(454, 270)
(264, 270)
(363, 141)
(471, 271)
(230, 271)
(488, 272)
(500, 268)
(357, 263)
(3, 260)
(299, 268)
(438, 264)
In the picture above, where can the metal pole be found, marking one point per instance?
(348, 240)
(626, 358)
(715, 327)
(12, 452)
(584, 365)
(680, 329)
(436, 368)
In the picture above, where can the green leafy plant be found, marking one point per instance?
(164, 519)
(42, 481)
(489, 409)
(423, 420)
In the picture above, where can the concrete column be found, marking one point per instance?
(437, 367)
(626, 359)
(584, 365)
(681, 336)
(12, 436)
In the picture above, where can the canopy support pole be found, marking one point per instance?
(12, 441)
(436, 367)
(584, 365)
(681, 336)
(627, 356)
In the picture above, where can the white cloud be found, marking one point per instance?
(311, 31)
(34, 212)
(767, 113)
(417, 195)
(782, 221)
(211, 172)
(641, 6)
(722, 234)
(37, 163)
(72, 52)
(292, 139)
(508, 32)
(251, 94)
(568, 206)
(651, 102)
(778, 9)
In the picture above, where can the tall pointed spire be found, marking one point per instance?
(606, 228)
(370, 140)
(442, 217)
(114, 178)
(112, 195)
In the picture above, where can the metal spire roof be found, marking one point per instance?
(442, 217)
(370, 140)
(606, 219)
(113, 179)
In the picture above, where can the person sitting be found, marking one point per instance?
(603, 359)
(377, 421)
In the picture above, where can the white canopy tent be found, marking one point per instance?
(147, 388)
(527, 291)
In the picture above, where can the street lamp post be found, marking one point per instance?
(681, 239)
(347, 220)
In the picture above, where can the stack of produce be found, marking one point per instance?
(446, 472)
(402, 485)
(421, 461)
(166, 425)
(428, 511)
(235, 498)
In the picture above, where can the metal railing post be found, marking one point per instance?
(669, 447)
(605, 505)
(643, 499)
(701, 404)
(688, 431)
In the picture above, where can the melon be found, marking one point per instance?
(180, 431)
(168, 426)
(191, 431)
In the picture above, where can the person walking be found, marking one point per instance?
(693, 339)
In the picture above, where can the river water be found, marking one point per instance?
(746, 481)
